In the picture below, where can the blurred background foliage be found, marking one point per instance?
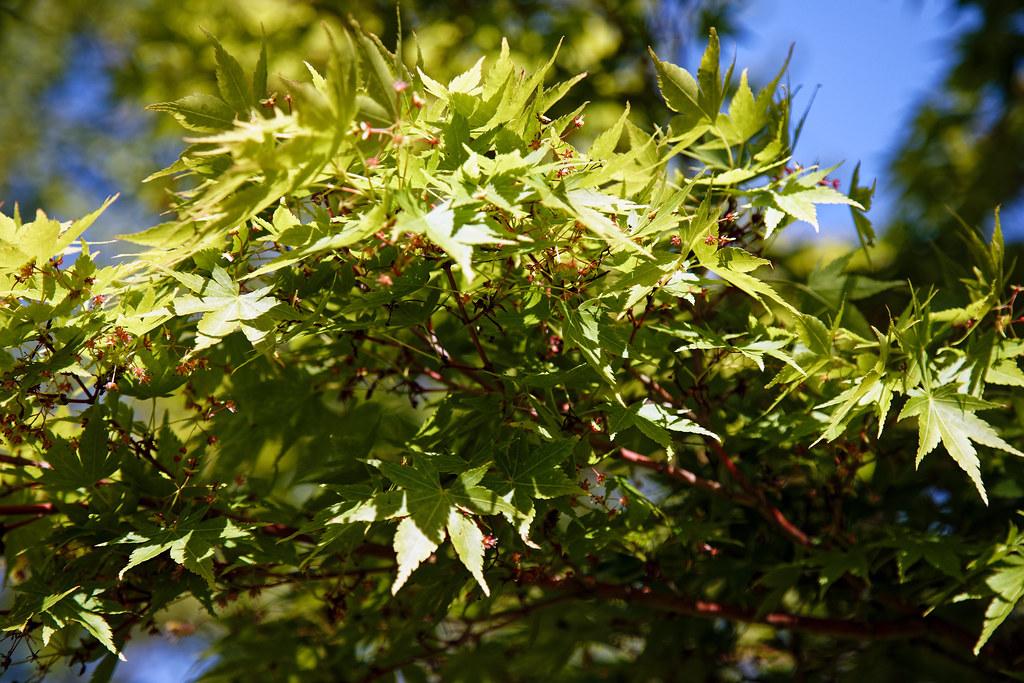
(963, 149)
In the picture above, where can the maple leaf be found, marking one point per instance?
(535, 473)
(428, 510)
(225, 309)
(943, 414)
(1008, 585)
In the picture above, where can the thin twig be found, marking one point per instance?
(465, 318)
(24, 462)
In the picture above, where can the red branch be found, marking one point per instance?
(27, 509)
(894, 629)
(769, 511)
(679, 473)
(24, 462)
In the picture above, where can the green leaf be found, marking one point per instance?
(862, 195)
(429, 507)
(93, 460)
(412, 546)
(536, 473)
(231, 81)
(98, 627)
(654, 421)
(746, 115)
(799, 201)
(679, 89)
(456, 237)
(814, 335)
(468, 541)
(670, 419)
(201, 113)
(143, 554)
(195, 552)
(259, 77)
(582, 330)
(381, 77)
(708, 76)
(733, 266)
(943, 414)
(1006, 372)
(863, 392)
(42, 238)
(604, 144)
(1007, 583)
(226, 310)
(192, 545)
(468, 82)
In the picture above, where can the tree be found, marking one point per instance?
(410, 385)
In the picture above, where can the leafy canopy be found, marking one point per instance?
(412, 379)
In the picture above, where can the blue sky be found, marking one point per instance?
(874, 60)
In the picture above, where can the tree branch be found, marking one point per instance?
(680, 474)
(754, 498)
(896, 629)
(465, 318)
(770, 512)
(28, 509)
(24, 462)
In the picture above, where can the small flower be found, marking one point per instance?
(385, 280)
(141, 374)
(554, 345)
(578, 121)
(372, 162)
(364, 130)
(400, 86)
(418, 101)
